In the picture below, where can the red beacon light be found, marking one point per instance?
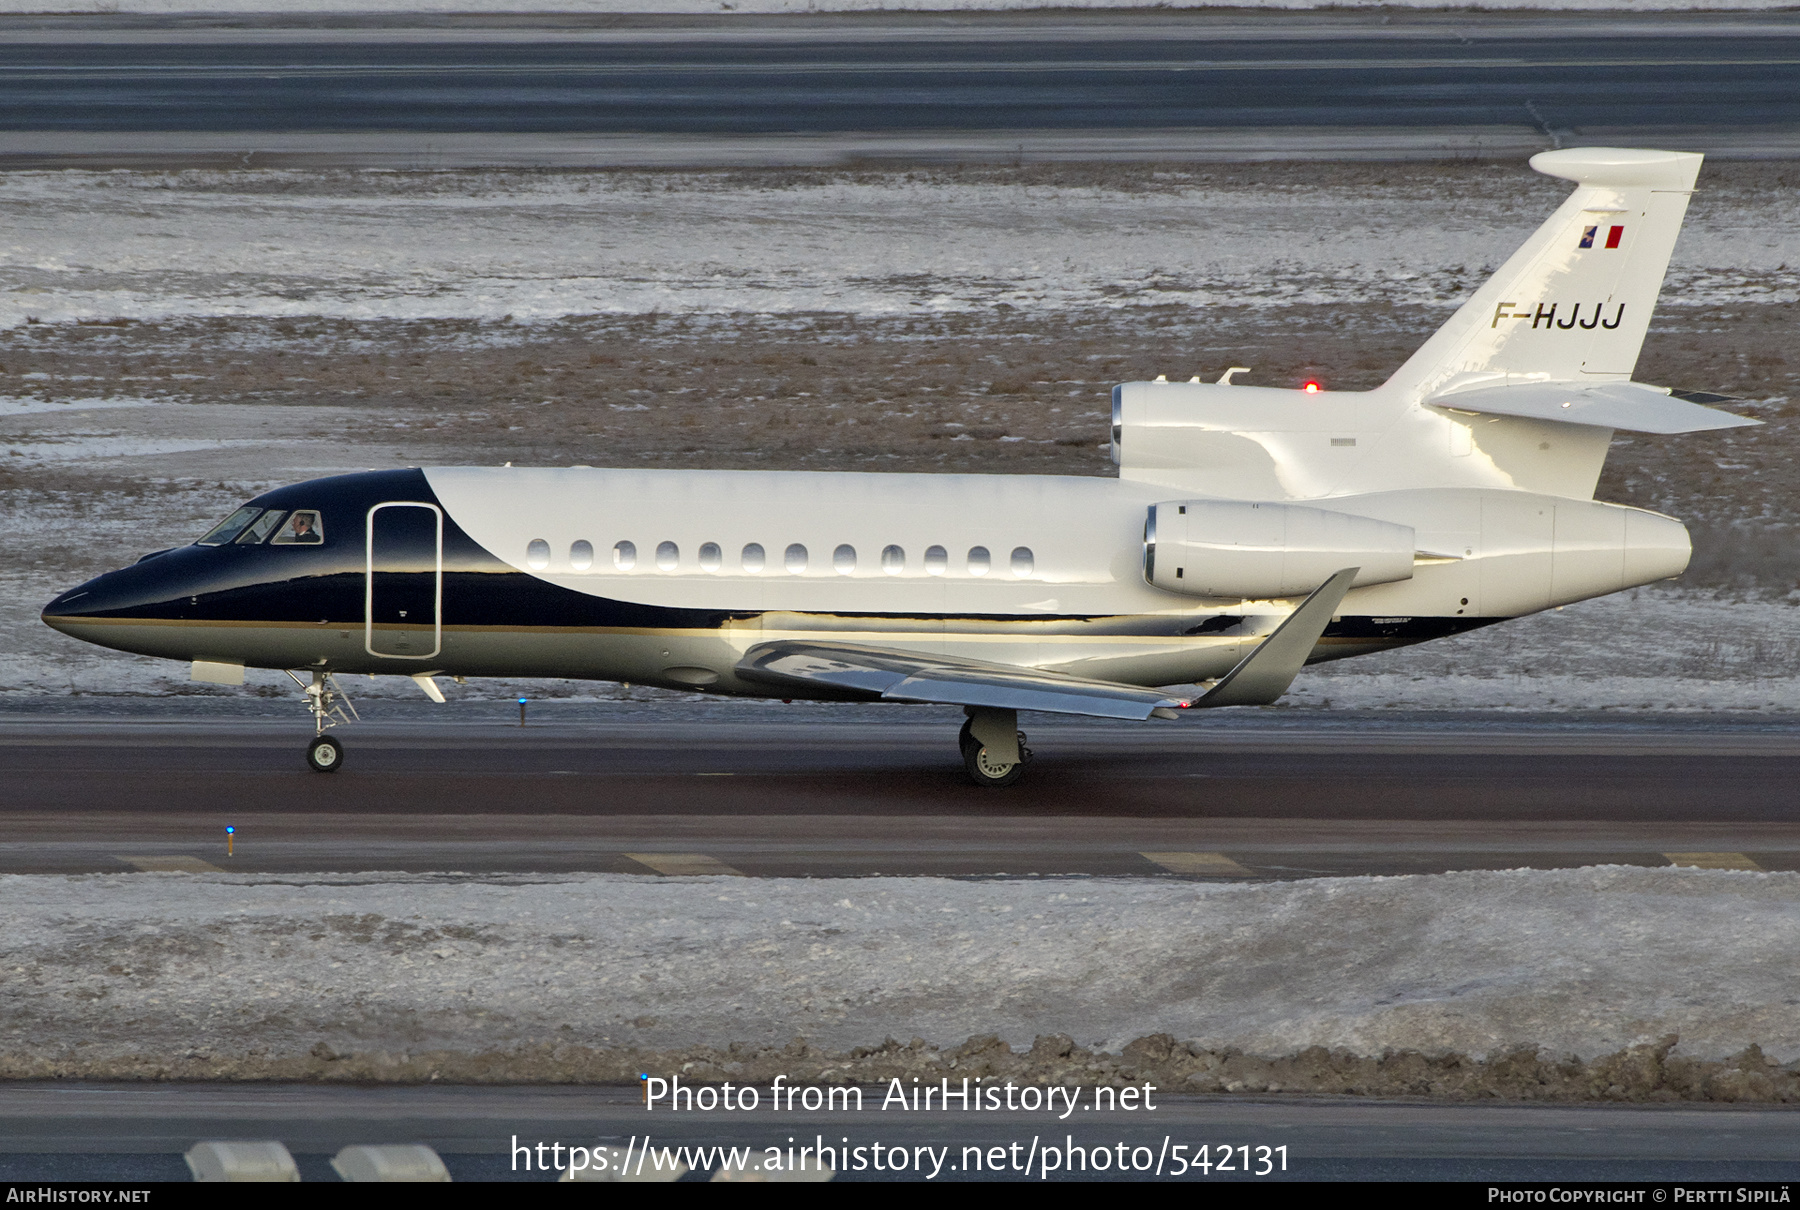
(1311, 388)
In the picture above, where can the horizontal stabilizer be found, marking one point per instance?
(878, 673)
(1631, 406)
(1265, 674)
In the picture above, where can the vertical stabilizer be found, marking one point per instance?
(1573, 303)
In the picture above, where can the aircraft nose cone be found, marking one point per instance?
(70, 604)
(110, 594)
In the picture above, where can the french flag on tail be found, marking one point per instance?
(1613, 236)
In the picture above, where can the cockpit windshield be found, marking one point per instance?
(230, 527)
(261, 528)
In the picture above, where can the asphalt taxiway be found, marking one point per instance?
(810, 89)
(999, 72)
(802, 791)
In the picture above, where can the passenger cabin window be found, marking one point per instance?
(978, 560)
(261, 528)
(843, 560)
(710, 557)
(893, 560)
(753, 558)
(667, 556)
(303, 528)
(581, 555)
(794, 559)
(625, 555)
(1022, 562)
(537, 554)
(230, 527)
(937, 561)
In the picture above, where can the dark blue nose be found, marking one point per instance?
(151, 581)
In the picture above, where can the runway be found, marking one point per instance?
(772, 791)
(760, 790)
(126, 1132)
(971, 86)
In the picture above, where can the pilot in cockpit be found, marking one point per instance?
(302, 529)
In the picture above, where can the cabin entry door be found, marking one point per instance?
(403, 587)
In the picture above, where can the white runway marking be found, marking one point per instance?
(683, 863)
(1713, 861)
(1215, 864)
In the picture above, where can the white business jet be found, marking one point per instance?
(1249, 532)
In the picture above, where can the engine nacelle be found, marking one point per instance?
(1232, 548)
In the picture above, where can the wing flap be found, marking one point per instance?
(898, 676)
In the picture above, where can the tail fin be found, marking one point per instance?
(1573, 303)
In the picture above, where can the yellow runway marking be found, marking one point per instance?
(683, 863)
(1713, 861)
(1215, 864)
(170, 865)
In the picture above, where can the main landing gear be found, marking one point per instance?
(993, 747)
(330, 707)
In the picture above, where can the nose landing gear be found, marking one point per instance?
(331, 707)
(993, 748)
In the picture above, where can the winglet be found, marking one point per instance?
(1265, 674)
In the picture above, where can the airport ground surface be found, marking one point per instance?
(672, 787)
(819, 791)
(817, 89)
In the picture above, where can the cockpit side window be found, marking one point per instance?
(230, 527)
(304, 528)
(261, 528)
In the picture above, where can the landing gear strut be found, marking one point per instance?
(993, 748)
(331, 707)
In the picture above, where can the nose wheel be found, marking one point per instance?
(993, 748)
(325, 754)
(330, 707)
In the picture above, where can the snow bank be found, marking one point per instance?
(1582, 962)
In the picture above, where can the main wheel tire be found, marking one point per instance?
(325, 755)
(966, 737)
(985, 773)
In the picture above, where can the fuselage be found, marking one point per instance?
(668, 577)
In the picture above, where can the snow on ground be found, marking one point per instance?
(372, 245)
(1580, 962)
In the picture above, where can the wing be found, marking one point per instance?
(878, 673)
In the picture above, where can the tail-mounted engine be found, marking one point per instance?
(1230, 548)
